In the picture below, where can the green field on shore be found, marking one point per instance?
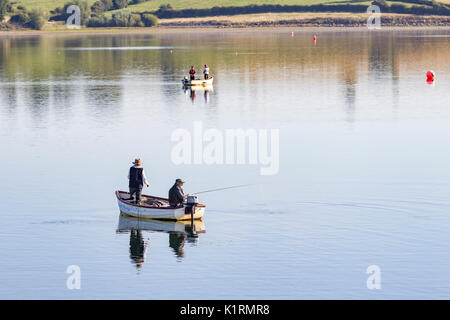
(188, 4)
(44, 4)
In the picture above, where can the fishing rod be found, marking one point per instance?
(220, 189)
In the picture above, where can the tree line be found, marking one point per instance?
(91, 16)
(424, 7)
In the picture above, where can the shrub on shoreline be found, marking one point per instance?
(99, 22)
(123, 19)
(4, 7)
(38, 18)
(149, 20)
(22, 18)
(135, 21)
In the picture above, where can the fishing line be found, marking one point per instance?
(219, 189)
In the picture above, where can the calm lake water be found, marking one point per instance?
(363, 174)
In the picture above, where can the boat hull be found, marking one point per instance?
(164, 213)
(198, 82)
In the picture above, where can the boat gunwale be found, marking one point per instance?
(153, 197)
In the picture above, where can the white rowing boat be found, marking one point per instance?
(197, 82)
(157, 208)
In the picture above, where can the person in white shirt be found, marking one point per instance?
(206, 72)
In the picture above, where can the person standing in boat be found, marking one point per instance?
(176, 194)
(192, 73)
(137, 179)
(206, 72)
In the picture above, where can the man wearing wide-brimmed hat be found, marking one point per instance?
(137, 179)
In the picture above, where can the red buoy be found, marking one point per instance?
(314, 38)
(430, 75)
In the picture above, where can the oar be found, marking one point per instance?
(220, 189)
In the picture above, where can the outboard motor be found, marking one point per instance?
(191, 202)
(191, 199)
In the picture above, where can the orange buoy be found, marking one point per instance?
(430, 75)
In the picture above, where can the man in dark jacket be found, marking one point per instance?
(137, 179)
(176, 193)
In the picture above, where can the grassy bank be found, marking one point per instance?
(153, 5)
(47, 5)
(310, 19)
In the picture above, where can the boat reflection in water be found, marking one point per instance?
(192, 92)
(179, 232)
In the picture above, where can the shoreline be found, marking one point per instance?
(176, 29)
(305, 23)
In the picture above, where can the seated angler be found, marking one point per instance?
(176, 194)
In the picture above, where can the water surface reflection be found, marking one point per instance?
(358, 123)
(179, 232)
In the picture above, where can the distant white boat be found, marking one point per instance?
(157, 208)
(197, 82)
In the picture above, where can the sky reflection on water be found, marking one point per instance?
(363, 174)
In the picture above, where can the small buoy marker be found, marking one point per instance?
(430, 75)
(314, 38)
(292, 33)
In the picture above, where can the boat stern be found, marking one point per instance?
(199, 211)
